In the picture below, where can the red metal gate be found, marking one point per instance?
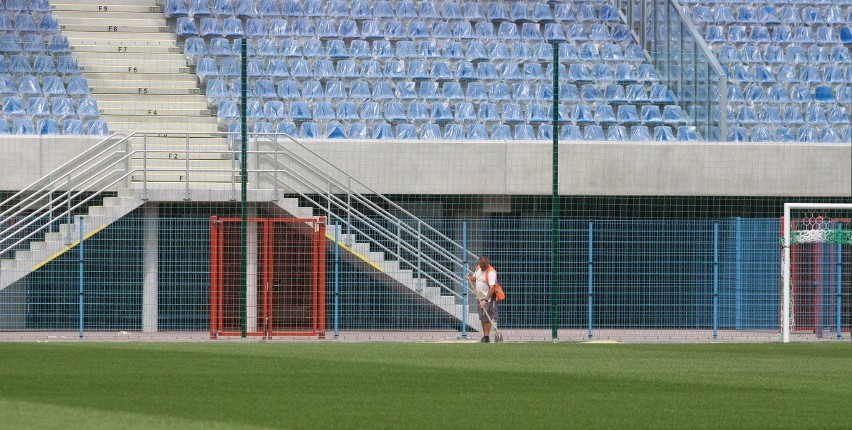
(285, 273)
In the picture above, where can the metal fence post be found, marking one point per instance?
(839, 276)
(465, 309)
(336, 280)
(82, 275)
(738, 274)
(591, 277)
(715, 279)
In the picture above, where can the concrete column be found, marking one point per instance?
(150, 245)
(251, 271)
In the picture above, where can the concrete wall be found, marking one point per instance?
(602, 168)
(24, 159)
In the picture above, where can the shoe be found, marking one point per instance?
(485, 340)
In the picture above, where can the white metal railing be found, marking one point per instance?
(364, 213)
(286, 164)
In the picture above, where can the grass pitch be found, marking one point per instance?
(394, 385)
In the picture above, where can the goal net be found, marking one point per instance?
(816, 269)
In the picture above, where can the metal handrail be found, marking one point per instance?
(369, 189)
(98, 170)
(422, 239)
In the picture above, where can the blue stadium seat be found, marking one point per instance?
(627, 114)
(441, 30)
(22, 126)
(815, 115)
(406, 131)
(545, 132)
(760, 134)
(783, 134)
(299, 111)
(285, 127)
(807, 135)
(829, 135)
(429, 131)
(414, 30)
(346, 111)
(570, 132)
(476, 132)
(537, 113)
(63, 108)
(465, 112)
(359, 90)
(394, 112)
(72, 127)
(617, 133)
(34, 44)
(186, 27)
(663, 133)
(453, 131)
(604, 114)
(312, 90)
(769, 115)
(602, 72)
(524, 132)
(53, 86)
(837, 115)
(370, 111)
(29, 85)
(651, 114)
(37, 106)
(382, 130)
(308, 130)
(334, 130)
(488, 112)
(198, 8)
(582, 114)
(323, 111)
(593, 132)
(640, 133)
(417, 111)
(845, 35)
(687, 133)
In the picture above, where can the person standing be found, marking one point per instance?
(488, 292)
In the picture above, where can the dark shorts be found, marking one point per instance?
(491, 308)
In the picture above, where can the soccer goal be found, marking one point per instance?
(816, 269)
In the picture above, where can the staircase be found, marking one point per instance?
(117, 170)
(140, 78)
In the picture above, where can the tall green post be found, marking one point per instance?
(554, 219)
(243, 186)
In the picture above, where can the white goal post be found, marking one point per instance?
(818, 232)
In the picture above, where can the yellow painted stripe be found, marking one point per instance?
(67, 248)
(355, 253)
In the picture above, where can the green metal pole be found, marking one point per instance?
(554, 220)
(243, 186)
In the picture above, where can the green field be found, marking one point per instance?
(395, 385)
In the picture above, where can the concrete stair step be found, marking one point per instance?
(109, 17)
(131, 30)
(85, 37)
(112, 7)
(142, 91)
(155, 156)
(177, 99)
(129, 49)
(190, 111)
(194, 177)
(162, 119)
(155, 126)
(136, 67)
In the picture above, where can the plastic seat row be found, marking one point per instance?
(34, 43)
(29, 23)
(48, 85)
(775, 54)
(790, 115)
(40, 63)
(761, 34)
(384, 9)
(779, 94)
(392, 30)
(771, 15)
(789, 74)
(786, 134)
(382, 49)
(442, 112)
(26, 5)
(86, 108)
(421, 70)
(50, 126)
(453, 131)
